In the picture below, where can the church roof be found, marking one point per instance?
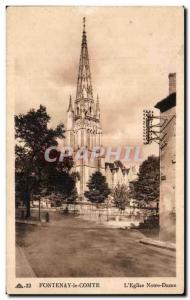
(110, 165)
(116, 165)
(127, 170)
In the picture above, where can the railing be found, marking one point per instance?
(92, 212)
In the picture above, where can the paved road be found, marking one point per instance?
(71, 247)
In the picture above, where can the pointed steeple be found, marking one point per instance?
(70, 108)
(97, 107)
(84, 84)
(97, 103)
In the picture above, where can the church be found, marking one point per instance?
(84, 130)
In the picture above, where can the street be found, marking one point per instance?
(71, 247)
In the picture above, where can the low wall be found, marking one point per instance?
(98, 213)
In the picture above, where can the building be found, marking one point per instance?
(167, 108)
(84, 130)
(117, 173)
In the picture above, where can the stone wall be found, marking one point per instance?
(167, 176)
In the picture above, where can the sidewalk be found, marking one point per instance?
(160, 244)
(31, 222)
(23, 268)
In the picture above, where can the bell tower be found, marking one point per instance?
(83, 121)
(87, 117)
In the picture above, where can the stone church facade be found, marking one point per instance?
(84, 130)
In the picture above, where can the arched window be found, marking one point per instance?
(77, 110)
(90, 109)
(88, 139)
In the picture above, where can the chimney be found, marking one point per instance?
(172, 83)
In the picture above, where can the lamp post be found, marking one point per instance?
(39, 207)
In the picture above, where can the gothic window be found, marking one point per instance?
(90, 109)
(77, 110)
(82, 137)
(72, 139)
(91, 139)
(76, 138)
(88, 139)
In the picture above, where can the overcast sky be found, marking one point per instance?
(131, 50)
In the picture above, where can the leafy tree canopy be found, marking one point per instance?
(98, 188)
(33, 173)
(120, 196)
(146, 187)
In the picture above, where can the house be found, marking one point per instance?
(167, 214)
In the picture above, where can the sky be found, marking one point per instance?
(131, 51)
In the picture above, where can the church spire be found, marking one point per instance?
(97, 107)
(97, 103)
(70, 108)
(84, 20)
(84, 84)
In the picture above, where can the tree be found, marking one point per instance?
(146, 187)
(120, 196)
(63, 183)
(98, 188)
(33, 173)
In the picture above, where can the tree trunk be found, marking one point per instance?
(28, 206)
(39, 210)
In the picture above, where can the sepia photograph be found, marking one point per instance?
(95, 100)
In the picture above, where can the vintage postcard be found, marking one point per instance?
(95, 150)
